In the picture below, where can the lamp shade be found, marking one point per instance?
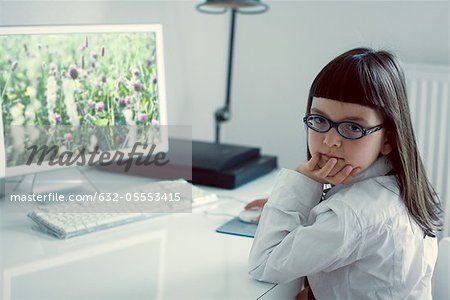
(241, 6)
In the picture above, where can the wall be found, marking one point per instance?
(277, 54)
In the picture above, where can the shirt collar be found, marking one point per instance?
(379, 167)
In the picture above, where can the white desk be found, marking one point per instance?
(178, 256)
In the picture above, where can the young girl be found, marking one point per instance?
(372, 236)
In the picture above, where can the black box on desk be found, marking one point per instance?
(220, 165)
(237, 175)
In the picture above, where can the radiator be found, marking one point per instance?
(429, 100)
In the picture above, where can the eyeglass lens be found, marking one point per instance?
(348, 130)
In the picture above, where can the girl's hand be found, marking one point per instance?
(256, 204)
(344, 175)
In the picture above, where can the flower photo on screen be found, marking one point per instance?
(80, 82)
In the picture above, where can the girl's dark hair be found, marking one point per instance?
(376, 79)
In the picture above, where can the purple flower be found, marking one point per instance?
(142, 117)
(100, 106)
(53, 70)
(103, 51)
(119, 139)
(57, 118)
(68, 137)
(53, 67)
(73, 72)
(122, 102)
(154, 80)
(90, 103)
(155, 123)
(127, 100)
(103, 78)
(137, 86)
(136, 73)
(149, 62)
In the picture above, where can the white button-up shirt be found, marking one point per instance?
(359, 243)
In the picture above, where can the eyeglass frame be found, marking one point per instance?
(335, 125)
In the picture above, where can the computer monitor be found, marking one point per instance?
(79, 87)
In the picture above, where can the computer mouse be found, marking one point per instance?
(250, 215)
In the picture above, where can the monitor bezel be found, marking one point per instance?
(92, 28)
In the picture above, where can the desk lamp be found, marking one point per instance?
(220, 7)
(225, 165)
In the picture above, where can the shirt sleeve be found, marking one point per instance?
(286, 247)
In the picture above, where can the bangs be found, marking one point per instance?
(348, 79)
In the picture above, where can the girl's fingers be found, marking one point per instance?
(255, 204)
(311, 164)
(323, 173)
(341, 175)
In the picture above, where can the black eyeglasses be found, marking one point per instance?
(347, 129)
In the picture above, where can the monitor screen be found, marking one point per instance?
(79, 88)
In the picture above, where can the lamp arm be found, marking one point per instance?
(224, 114)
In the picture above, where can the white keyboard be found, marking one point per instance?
(69, 219)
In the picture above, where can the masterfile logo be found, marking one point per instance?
(55, 157)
